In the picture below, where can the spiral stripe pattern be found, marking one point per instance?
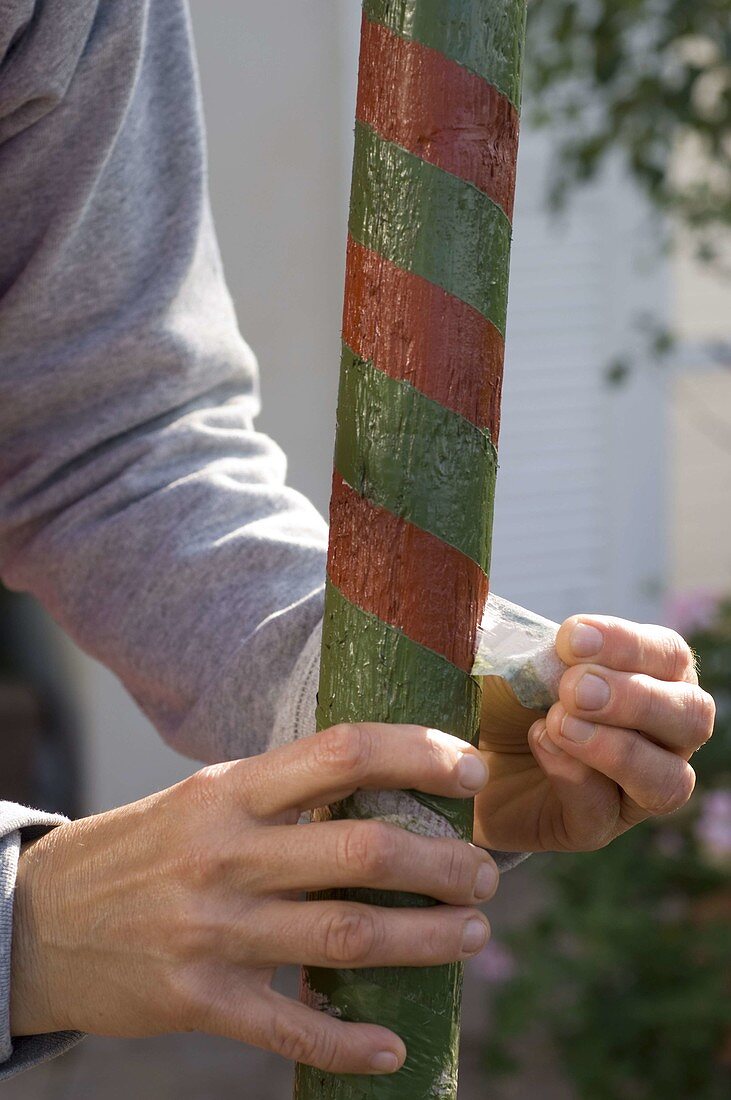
(415, 455)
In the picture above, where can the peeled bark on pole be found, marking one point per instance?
(411, 511)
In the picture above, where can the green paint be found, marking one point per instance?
(371, 672)
(429, 222)
(424, 997)
(484, 37)
(410, 455)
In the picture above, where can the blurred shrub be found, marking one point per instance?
(628, 967)
(651, 78)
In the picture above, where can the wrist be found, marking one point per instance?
(31, 1005)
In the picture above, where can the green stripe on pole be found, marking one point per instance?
(423, 997)
(490, 45)
(431, 223)
(410, 455)
(422, 686)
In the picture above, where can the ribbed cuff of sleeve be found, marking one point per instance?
(295, 716)
(18, 823)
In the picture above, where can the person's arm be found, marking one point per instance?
(137, 501)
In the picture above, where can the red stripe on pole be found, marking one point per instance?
(414, 331)
(438, 110)
(428, 575)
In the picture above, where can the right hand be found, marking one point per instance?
(172, 914)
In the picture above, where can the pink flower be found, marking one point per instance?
(713, 826)
(691, 611)
(495, 963)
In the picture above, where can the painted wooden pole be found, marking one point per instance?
(415, 455)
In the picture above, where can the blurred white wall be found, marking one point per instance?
(272, 91)
(700, 482)
(580, 514)
(699, 486)
(580, 520)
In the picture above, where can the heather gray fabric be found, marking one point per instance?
(19, 822)
(137, 501)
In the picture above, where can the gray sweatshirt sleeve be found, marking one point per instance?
(16, 823)
(137, 500)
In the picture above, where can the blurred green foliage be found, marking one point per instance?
(628, 966)
(640, 76)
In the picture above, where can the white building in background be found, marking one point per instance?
(699, 478)
(605, 494)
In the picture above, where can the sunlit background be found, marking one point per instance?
(614, 495)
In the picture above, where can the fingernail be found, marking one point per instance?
(576, 729)
(471, 772)
(474, 936)
(485, 880)
(585, 640)
(548, 745)
(592, 692)
(384, 1062)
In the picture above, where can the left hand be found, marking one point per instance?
(613, 751)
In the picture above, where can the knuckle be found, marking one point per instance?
(439, 941)
(625, 755)
(705, 715)
(674, 792)
(204, 864)
(368, 849)
(202, 791)
(456, 874)
(677, 654)
(312, 1048)
(697, 714)
(648, 701)
(591, 843)
(349, 936)
(345, 748)
(196, 932)
(199, 791)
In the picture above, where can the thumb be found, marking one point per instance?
(585, 803)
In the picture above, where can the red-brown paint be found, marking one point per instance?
(414, 331)
(438, 110)
(434, 594)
